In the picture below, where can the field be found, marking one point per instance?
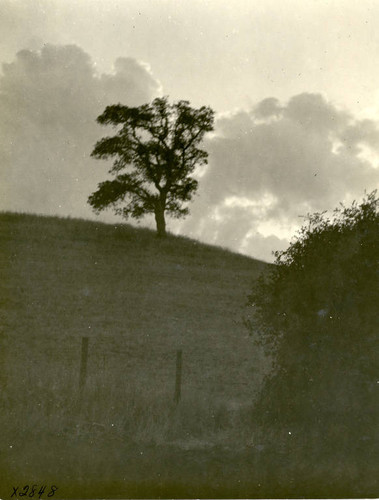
(139, 300)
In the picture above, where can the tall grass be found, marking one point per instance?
(126, 429)
(109, 409)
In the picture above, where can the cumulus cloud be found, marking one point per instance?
(267, 108)
(267, 165)
(49, 101)
(273, 163)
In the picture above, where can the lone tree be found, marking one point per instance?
(156, 149)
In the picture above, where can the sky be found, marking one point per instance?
(294, 84)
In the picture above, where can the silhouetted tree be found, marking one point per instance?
(317, 311)
(156, 151)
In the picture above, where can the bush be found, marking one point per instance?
(316, 311)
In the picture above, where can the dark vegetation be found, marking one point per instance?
(317, 311)
(155, 151)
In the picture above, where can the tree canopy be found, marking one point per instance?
(155, 151)
(316, 310)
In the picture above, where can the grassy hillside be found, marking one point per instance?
(138, 299)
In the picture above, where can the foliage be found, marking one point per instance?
(155, 153)
(317, 311)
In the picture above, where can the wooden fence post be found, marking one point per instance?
(178, 379)
(83, 363)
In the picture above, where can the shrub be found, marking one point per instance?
(316, 311)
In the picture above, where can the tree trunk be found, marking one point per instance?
(161, 223)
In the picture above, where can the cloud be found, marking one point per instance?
(49, 101)
(267, 165)
(273, 163)
(132, 81)
(267, 108)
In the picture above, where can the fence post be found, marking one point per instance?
(178, 379)
(83, 363)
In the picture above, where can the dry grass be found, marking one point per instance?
(139, 299)
(107, 410)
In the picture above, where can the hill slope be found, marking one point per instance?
(137, 298)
